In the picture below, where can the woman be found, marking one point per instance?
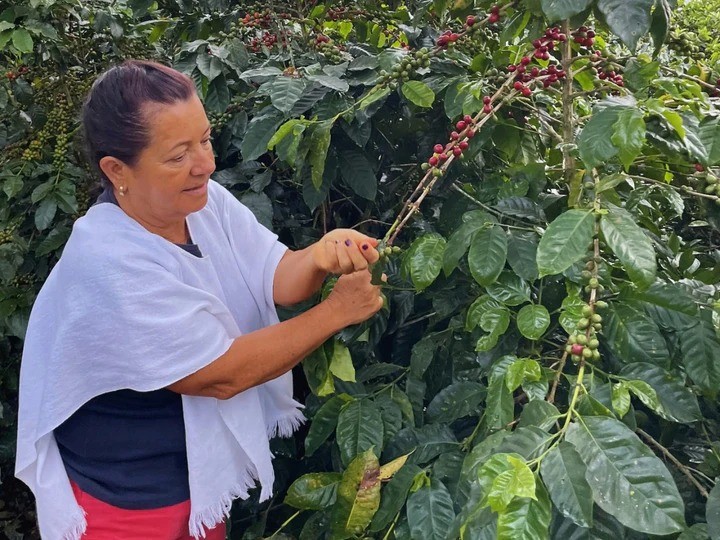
(155, 369)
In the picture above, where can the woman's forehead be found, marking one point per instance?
(180, 120)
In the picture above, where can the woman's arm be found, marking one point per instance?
(300, 274)
(265, 354)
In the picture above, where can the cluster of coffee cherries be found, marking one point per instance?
(549, 76)
(584, 36)
(12, 75)
(406, 68)
(589, 275)
(583, 344)
(711, 181)
(387, 251)
(605, 71)
(465, 130)
(327, 47)
(266, 39)
(7, 234)
(343, 12)
(217, 120)
(494, 16)
(545, 45)
(257, 19)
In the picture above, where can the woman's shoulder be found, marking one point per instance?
(107, 239)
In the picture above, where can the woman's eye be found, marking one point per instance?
(207, 141)
(179, 158)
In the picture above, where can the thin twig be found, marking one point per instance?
(683, 469)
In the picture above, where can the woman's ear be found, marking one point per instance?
(115, 170)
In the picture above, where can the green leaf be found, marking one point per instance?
(533, 321)
(710, 136)
(210, 66)
(629, 135)
(499, 405)
(677, 402)
(525, 518)
(627, 479)
(594, 144)
(557, 10)
(631, 245)
(22, 40)
(712, 513)
(394, 496)
(314, 491)
(517, 481)
(660, 25)
(634, 337)
(522, 254)
(628, 20)
(341, 364)
(620, 399)
(285, 92)
(488, 252)
(460, 240)
(358, 497)
(510, 289)
(700, 352)
(495, 321)
(430, 512)
(333, 83)
(357, 172)
(564, 474)
(539, 413)
(360, 428)
(317, 372)
(521, 371)
(455, 401)
(565, 241)
(425, 258)
(668, 304)
(260, 131)
(324, 423)
(218, 95)
(419, 93)
(282, 132)
(319, 144)
(45, 214)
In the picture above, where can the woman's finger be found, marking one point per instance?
(332, 264)
(358, 260)
(344, 261)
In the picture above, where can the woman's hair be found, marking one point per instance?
(114, 118)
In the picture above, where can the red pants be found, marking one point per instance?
(107, 522)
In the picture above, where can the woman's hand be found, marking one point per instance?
(344, 251)
(355, 298)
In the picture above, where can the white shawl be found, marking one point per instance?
(125, 308)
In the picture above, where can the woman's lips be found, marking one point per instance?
(199, 190)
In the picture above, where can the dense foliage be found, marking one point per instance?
(547, 365)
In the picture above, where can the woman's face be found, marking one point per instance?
(170, 179)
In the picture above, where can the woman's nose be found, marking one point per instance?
(204, 164)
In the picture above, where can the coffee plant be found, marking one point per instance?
(545, 179)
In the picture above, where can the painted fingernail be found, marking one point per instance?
(365, 246)
(348, 242)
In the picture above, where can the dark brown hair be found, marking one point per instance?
(114, 122)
